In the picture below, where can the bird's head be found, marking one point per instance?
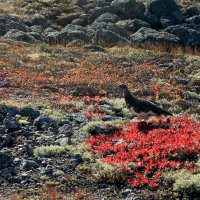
(123, 87)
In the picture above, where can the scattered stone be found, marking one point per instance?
(42, 121)
(39, 20)
(163, 8)
(133, 25)
(148, 35)
(65, 130)
(17, 35)
(131, 9)
(166, 65)
(29, 112)
(192, 11)
(187, 36)
(67, 19)
(7, 140)
(11, 123)
(63, 141)
(29, 165)
(94, 48)
(107, 17)
(5, 161)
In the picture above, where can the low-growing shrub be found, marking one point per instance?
(151, 148)
(48, 151)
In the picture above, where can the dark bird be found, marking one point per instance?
(141, 108)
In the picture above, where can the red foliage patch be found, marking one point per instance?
(150, 148)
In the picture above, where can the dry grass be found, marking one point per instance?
(51, 193)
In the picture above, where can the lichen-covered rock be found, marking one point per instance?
(66, 19)
(188, 37)
(131, 9)
(107, 17)
(192, 11)
(148, 35)
(41, 121)
(132, 25)
(17, 35)
(29, 165)
(5, 161)
(193, 20)
(39, 20)
(163, 8)
(11, 123)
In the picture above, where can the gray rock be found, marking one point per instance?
(5, 161)
(66, 36)
(8, 140)
(109, 33)
(107, 17)
(82, 2)
(166, 22)
(18, 36)
(14, 179)
(47, 172)
(64, 121)
(166, 65)
(7, 172)
(188, 37)
(73, 28)
(39, 20)
(41, 121)
(37, 29)
(29, 165)
(132, 25)
(13, 25)
(29, 112)
(63, 141)
(65, 130)
(183, 81)
(36, 36)
(148, 35)
(5, 18)
(50, 31)
(11, 123)
(79, 22)
(130, 8)
(133, 196)
(192, 11)
(79, 118)
(96, 12)
(66, 19)
(94, 48)
(98, 129)
(107, 118)
(153, 20)
(5, 109)
(193, 20)
(78, 157)
(126, 192)
(76, 160)
(2, 129)
(22, 132)
(163, 8)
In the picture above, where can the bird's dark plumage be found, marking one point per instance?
(141, 108)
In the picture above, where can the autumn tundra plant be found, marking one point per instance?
(145, 151)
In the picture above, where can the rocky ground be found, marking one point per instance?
(60, 63)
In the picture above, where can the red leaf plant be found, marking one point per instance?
(144, 151)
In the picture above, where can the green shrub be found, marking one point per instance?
(49, 151)
(183, 181)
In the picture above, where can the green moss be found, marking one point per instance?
(184, 182)
(49, 151)
(103, 172)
